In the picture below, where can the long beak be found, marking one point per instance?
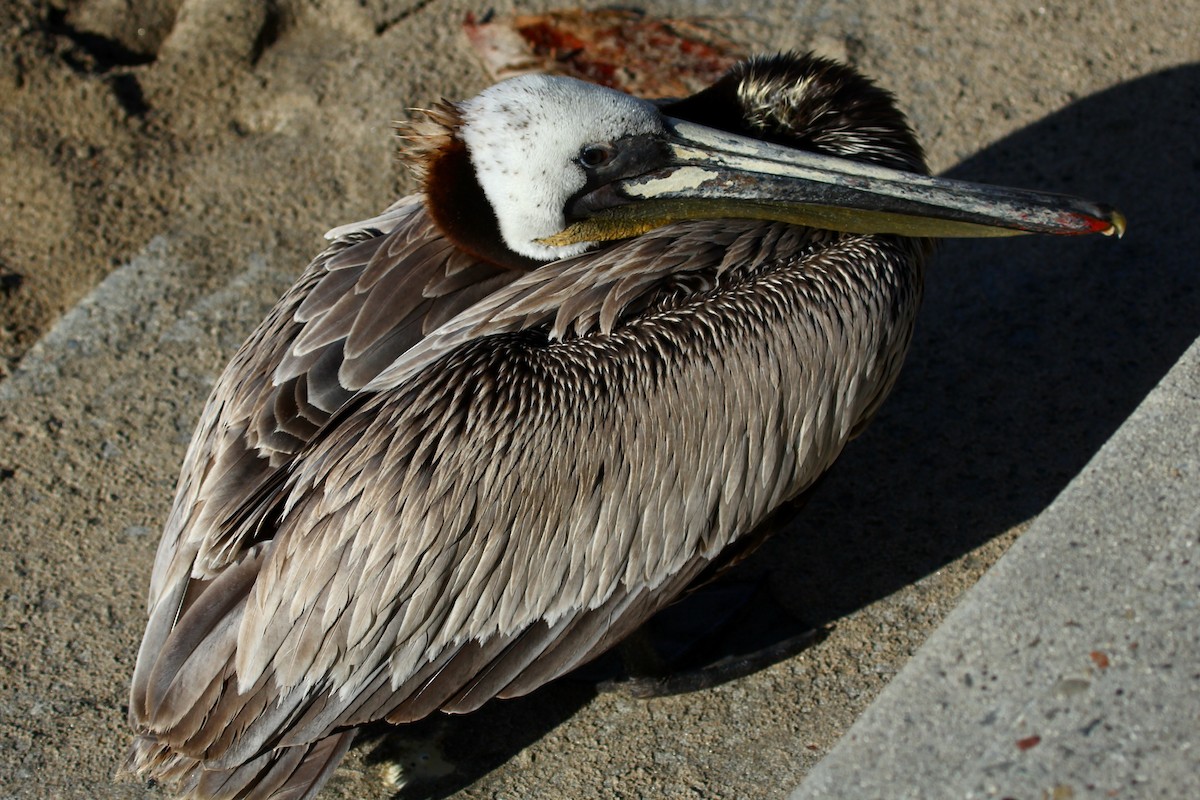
(710, 174)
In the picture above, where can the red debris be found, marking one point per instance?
(627, 50)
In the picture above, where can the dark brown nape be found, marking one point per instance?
(453, 196)
(461, 210)
(810, 103)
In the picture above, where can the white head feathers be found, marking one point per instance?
(524, 137)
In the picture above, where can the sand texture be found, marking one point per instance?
(167, 169)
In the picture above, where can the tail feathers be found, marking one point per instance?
(288, 773)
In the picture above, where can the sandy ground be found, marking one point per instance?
(192, 154)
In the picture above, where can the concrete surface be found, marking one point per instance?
(163, 195)
(1072, 669)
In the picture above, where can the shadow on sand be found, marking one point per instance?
(1029, 354)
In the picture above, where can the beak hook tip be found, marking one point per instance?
(1116, 224)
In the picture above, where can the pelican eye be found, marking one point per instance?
(593, 156)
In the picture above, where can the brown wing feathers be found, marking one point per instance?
(446, 537)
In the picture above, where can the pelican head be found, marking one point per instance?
(538, 141)
(558, 166)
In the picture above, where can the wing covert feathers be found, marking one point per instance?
(425, 482)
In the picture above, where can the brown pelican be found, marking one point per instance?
(492, 430)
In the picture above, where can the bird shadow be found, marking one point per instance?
(441, 754)
(1028, 355)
